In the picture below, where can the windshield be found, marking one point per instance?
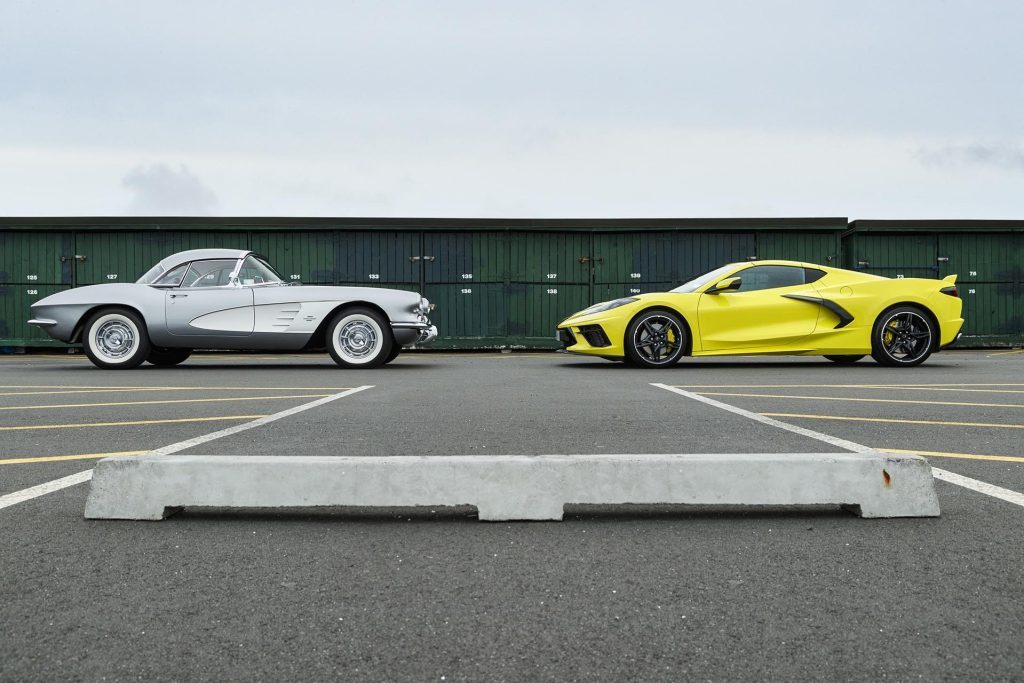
(256, 271)
(151, 275)
(701, 280)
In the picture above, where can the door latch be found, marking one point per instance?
(76, 257)
(414, 259)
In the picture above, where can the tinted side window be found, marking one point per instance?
(812, 275)
(770, 277)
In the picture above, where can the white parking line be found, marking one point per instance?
(64, 482)
(42, 489)
(943, 475)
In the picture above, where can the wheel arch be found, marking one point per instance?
(936, 338)
(687, 350)
(319, 337)
(76, 336)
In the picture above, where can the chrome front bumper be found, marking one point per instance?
(414, 333)
(428, 335)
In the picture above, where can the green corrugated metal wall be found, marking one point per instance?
(508, 282)
(986, 256)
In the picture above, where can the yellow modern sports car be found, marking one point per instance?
(774, 307)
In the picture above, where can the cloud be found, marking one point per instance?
(1005, 155)
(159, 190)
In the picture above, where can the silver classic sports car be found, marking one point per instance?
(231, 299)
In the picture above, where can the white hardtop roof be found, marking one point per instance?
(201, 254)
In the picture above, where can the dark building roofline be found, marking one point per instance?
(366, 223)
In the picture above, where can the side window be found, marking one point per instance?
(213, 273)
(172, 278)
(770, 277)
(812, 275)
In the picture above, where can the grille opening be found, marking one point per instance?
(595, 336)
(567, 338)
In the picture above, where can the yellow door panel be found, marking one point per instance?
(740, 320)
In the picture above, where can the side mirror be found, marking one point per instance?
(725, 285)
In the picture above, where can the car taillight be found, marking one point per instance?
(951, 290)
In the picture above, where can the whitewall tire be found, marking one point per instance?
(360, 338)
(116, 339)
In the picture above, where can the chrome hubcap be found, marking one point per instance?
(906, 337)
(658, 339)
(357, 339)
(115, 339)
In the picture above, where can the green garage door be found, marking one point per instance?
(40, 257)
(123, 256)
(893, 255)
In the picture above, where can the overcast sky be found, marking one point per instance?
(867, 109)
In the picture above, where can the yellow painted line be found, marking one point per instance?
(838, 386)
(865, 400)
(59, 458)
(153, 403)
(1006, 353)
(90, 390)
(132, 422)
(879, 419)
(962, 456)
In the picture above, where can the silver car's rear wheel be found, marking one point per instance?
(359, 338)
(166, 358)
(116, 339)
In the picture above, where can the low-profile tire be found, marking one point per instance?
(165, 358)
(844, 360)
(655, 339)
(116, 339)
(902, 337)
(360, 338)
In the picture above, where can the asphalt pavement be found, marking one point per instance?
(637, 593)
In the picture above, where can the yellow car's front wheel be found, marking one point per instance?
(655, 339)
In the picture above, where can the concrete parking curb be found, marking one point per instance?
(512, 487)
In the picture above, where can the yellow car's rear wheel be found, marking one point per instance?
(655, 339)
(902, 336)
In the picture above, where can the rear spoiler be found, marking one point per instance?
(950, 288)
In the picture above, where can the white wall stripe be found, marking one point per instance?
(943, 475)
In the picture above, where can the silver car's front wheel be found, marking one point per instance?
(359, 338)
(115, 339)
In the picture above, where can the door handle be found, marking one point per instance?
(176, 296)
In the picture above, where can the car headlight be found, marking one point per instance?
(425, 306)
(608, 305)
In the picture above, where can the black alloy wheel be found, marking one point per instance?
(902, 336)
(655, 339)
